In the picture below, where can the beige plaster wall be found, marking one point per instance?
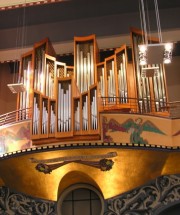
(150, 130)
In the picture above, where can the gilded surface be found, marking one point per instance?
(132, 168)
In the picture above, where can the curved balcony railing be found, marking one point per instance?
(15, 116)
(130, 105)
(141, 106)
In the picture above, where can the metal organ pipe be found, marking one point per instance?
(36, 114)
(85, 114)
(125, 80)
(111, 84)
(78, 67)
(94, 111)
(122, 80)
(101, 83)
(77, 116)
(24, 96)
(81, 72)
(64, 108)
(44, 118)
(92, 64)
(53, 119)
(84, 68)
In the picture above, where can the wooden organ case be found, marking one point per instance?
(66, 101)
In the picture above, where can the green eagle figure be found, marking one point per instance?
(134, 128)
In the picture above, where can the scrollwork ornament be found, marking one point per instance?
(148, 199)
(19, 204)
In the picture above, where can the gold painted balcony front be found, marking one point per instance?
(133, 167)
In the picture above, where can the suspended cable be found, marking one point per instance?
(148, 22)
(144, 22)
(158, 21)
(140, 13)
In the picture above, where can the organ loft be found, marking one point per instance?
(65, 102)
(106, 127)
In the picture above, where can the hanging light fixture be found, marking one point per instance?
(155, 53)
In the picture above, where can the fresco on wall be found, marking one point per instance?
(15, 137)
(134, 127)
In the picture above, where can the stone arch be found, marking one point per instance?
(75, 177)
(64, 197)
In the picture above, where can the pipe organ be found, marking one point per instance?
(66, 101)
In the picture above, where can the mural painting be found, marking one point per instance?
(14, 138)
(134, 127)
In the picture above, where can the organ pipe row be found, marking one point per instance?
(94, 112)
(64, 107)
(159, 89)
(39, 72)
(122, 81)
(36, 116)
(24, 98)
(85, 120)
(52, 118)
(49, 89)
(84, 67)
(44, 111)
(111, 86)
(77, 115)
(101, 82)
